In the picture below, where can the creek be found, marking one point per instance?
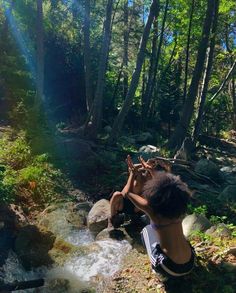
(76, 274)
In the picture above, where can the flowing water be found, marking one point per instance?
(76, 274)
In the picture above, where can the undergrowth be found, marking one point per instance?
(23, 174)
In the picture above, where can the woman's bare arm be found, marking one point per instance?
(140, 202)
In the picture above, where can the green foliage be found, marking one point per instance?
(26, 173)
(217, 219)
(14, 151)
(201, 210)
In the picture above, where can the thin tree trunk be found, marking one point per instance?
(182, 128)
(187, 50)
(119, 121)
(152, 79)
(126, 48)
(234, 102)
(94, 124)
(87, 55)
(159, 49)
(40, 53)
(122, 64)
(145, 105)
(224, 82)
(207, 74)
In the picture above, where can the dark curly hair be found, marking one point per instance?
(167, 195)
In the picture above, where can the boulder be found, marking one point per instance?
(228, 194)
(149, 149)
(35, 246)
(209, 169)
(195, 222)
(11, 219)
(74, 148)
(219, 230)
(143, 137)
(32, 246)
(117, 234)
(83, 206)
(97, 219)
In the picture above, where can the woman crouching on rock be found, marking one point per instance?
(164, 200)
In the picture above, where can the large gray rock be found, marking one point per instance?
(117, 234)
(195, 222)
(149, 149)
(228, 194)
(98, 216)
(209, 169)
(219, 230)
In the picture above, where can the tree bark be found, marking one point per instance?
(40, 53)
(94, 124)
(187, 50)
(152, 79)
(119, 121)
(207, 74)
(181, 129)
(126, 48)
(145, 104)
(234, 102)
(87, 55)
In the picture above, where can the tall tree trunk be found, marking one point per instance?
(94, 124)
(126, 48)
(187, 49)
(40, 53)
(152, 79)
(145, 105)
(182, 128)
(119, 121)
(234, 102)
(207, 74)
(87, 55)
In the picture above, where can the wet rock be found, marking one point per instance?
(209, 169)
(32, 246)
(195, 222)
(228, 194)
(219, 230)
(12, 216)
(116, 234)
(11, 219)
(36, 246)
(98, 216)
(61, 220)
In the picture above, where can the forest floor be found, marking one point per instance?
(214, 271)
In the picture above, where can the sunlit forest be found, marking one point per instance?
(83, 84)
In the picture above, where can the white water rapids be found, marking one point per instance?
(79, 270)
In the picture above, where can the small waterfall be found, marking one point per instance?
(79, 271)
